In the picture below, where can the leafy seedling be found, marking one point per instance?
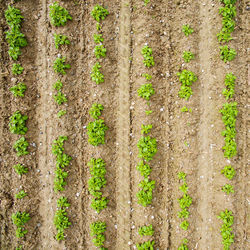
(60, 40)
(60, 65)
(146, 91)
(96, 132)
(147, 148)
(21, 146)
(100, 51)
(20, 169)
(61, 113)
(96, 110)
(21, 194)
(146, 230)
(187, 56)
(229, 172)
(17, 69)
(227, 54)
(19, 89)
(144, 169)
(187, 30)
(17, 123)
(227, 188)
(58, 15)
(145, 129)
(147, 55)
(96, 75)
(60, 98)
(98, 38)
(99, 13)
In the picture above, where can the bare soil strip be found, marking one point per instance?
(123, 133)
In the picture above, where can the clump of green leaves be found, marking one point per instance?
(62, 161)
(96, 132)
(21, 146)
(96, 183)
(60, 98)
(98, 38)
(146, 91)
(20, 169)
(147, 76)
(146, 2)
(100, 51)
(145, 194)
(227, 188)
(144, 169)
(17, 69)
(149, 112)
(96, 110)
(97, 230)
(14, 37)
(20, 219)
(60, 65)
(187, 29)
(58, 15)
(61, 220)
(183, 246)
(58, 85)
(21, 194)
(226, 229)
(229, 113)
(229, 172)
(187, 78)
(61, 40)
(227, 54)
(99, 13)
(184, 225)
(185, 109)
(147, 53)
(148, 245)
(61, 113)
(228, 92)
(17, 123)
(146, 230)
(96, 74)
(187, 56)
(147, 148)
(145, 129)
(19, 89)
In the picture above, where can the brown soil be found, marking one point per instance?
(189, 142)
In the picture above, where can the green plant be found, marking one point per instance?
(185, 92)
(96, 132)
(60, 65)
(19, 89)
(98, 204)
(97, 230)
(227, 188)
(226, 230)
(229, 172)
(187, 30)
(144, 169)
(21, 146)
(58, 85)
(98, 38)
(186, 77)
(228, 92)
(184, 213)
(21, 195)
(184, 225)
(96, 110)
(147, 76)
(146, 230)
(185, 201)
(20, 169)
(146, 91)
(19, 247)
(228, 11)
(20, 219)
(148, 112)
(17, 69)
(148, 245)
(184, 109)
(58, 15)
(60, 98)
(182, 176)
(147, 55)
(187, 56)
(145, 195)
(227, 54)
(100, 51)
(184, 188)
(96, 75)
(62, 202)
(61, 40)
(147, 148)
(99, 13)
(145, 129)
(61, 113)
(183, 246)
(61, 222)
(146, 2)
(17, 123)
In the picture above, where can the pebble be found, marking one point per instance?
(77, 194)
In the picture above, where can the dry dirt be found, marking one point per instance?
(189, 142)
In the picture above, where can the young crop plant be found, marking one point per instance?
(145, 129)
(187, 56)
(227, 54)
(13, 17)
(229, 172)
(61, 113)
(21, 194)
(58, 15)
(145, 195)
(229, 113)
(146, 230)
(21, 146)
(96, 132)
(17, 123)
(58, 85)
(17, 69)
(19, 89)
(228, 189)
(187, 30)
(100, 51)
(147, 148)
(228, 92)
(96, 75)
(146, 91)
(20, 169)
(98, 38)
(147, 55)
(99, 13)
(146, 2)
(144, 169)
(149, 112)
(185, 109)
(61, 220)
(20, 219)
(60, 98)
(97, 230)
(226, 228)
(183, 246)
(96, 110)
(60, 65)
(147, 76)
(148, 245)
(60, 40)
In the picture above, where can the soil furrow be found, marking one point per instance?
(123, 132)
